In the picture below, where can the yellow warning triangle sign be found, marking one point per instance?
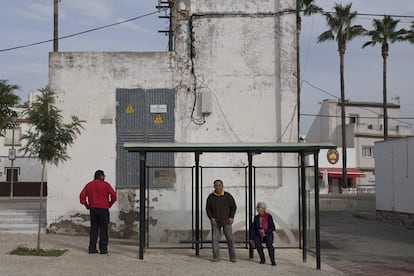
(158, 119)
(129, 109)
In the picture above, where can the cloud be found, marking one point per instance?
(97, 9)
(37, 11)
(132, 26)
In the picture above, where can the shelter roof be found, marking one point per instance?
(227, 147)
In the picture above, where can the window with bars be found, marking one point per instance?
(368, 151)
(9, 174)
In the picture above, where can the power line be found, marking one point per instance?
(319, 89)
(381, 15)
(80, 33)
(151, 13)
(374, 14)
(364, 108)
(361, 117)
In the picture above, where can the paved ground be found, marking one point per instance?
(123, 260)
(352, 244)
(357, 244)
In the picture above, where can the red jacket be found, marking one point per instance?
(97, 194)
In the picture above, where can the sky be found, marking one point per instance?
(24, 22)
(363, 67)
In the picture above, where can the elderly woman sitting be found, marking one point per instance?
(261, 231)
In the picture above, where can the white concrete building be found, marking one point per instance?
(26, 172)
(395, 178)
(364, 122)
(231, 78)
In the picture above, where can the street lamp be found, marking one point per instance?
(12, 152)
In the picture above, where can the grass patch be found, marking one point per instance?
(24, 251)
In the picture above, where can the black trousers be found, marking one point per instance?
(269, 244)
(99, 223)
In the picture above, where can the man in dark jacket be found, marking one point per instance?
(98, 196)
(221, 209)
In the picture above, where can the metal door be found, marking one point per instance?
(142, 115)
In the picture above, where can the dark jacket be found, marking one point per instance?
(255, 227)
(221, 207)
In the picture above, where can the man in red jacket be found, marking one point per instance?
(98, 196)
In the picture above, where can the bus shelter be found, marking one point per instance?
(302, 149)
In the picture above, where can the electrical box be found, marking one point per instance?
(206, 102)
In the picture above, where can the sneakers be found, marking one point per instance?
(233, 260)
(93, 251)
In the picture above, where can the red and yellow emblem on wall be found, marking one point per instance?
(332, 156)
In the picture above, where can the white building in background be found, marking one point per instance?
(26, 172)
(230, 79)
(395, 177)
(364, 127)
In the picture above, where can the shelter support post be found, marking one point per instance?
(142, 163)
(299, 201)
(197, 202)
(317, 221)
(304, 214)
(250, 160)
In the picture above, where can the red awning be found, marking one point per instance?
(337, 172)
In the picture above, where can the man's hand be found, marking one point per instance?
(87, 206)
(213, 221)
(230, 221)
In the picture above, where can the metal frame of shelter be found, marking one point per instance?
(302, 149)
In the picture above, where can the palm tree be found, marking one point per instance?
(410, 34)
(48, 138)
(384, 33)
(342, 30)
(308, 8)
(7, 100)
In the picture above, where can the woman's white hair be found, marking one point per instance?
(261, 204)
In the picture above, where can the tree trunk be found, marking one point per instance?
(384, 88)
(40, 207)
(55, 25)
(343, 125)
